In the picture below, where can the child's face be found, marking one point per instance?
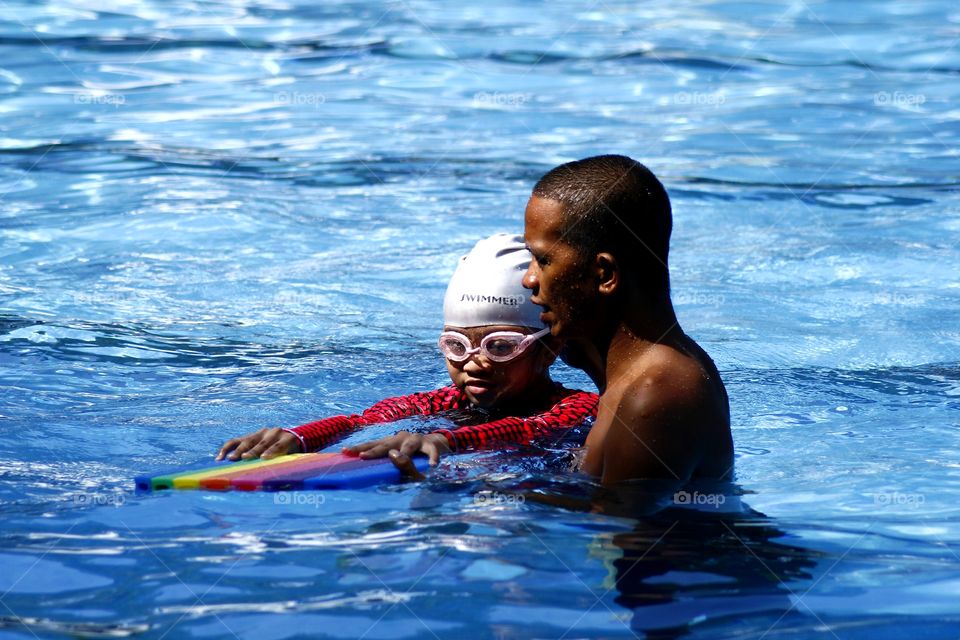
(489, 384)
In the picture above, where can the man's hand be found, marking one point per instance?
(266, 443)
(406, 443)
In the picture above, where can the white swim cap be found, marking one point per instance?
(485, 289)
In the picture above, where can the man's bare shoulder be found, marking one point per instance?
(665, 379)
(667, 416)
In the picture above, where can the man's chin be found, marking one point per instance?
(559, 329)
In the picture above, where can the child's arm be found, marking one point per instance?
(316, 435)
(568, 412)
(269, 443)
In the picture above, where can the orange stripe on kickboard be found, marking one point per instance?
(192, 481)
(252, 479)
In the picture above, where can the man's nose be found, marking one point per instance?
(530, 279)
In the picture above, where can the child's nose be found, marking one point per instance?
(476, 362)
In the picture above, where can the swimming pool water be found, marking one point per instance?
(218, 216)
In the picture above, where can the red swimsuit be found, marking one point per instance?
(569, 408)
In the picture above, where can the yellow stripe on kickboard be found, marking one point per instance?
(192, 481)
(165, 480)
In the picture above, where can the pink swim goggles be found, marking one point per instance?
(499, 346)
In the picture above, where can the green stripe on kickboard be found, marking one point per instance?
(190, 478)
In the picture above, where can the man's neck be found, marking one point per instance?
(630, 342)
(611, 354)
(585, 355)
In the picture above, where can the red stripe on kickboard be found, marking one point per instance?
(222, 482)
(253, 479)
(336, 463)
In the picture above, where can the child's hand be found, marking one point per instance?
(432, 444)
(266, 443)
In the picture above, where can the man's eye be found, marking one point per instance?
(541, 260)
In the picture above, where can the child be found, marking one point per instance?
(498, 354)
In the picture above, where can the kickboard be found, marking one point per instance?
(293, 472)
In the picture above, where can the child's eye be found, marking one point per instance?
(500, 347)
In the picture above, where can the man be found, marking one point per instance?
(599, 231)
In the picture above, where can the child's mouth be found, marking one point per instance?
(477, 387)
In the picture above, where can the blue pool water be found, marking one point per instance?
(218, 216)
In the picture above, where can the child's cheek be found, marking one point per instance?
(505, 377)
(456, 374)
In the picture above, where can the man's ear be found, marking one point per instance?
(608, 273)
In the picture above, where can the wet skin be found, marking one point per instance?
(502, 385)
(663, 409)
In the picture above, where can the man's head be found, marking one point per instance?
(596, 228)
(487, 317)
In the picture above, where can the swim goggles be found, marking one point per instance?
(499, 346)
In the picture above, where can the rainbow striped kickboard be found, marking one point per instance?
(296, 471)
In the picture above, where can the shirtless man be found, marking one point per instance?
(599, 231)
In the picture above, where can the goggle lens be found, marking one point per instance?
(499, 346)
(453, 348)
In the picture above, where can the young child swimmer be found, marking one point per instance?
(498, 354)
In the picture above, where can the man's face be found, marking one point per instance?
(555, 276)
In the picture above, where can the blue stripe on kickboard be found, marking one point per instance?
(378, 471)
(144, 482)
(354, 474)
(293, 480)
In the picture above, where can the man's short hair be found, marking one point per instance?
(613, 203)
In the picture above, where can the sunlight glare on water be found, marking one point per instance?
(220, 216)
